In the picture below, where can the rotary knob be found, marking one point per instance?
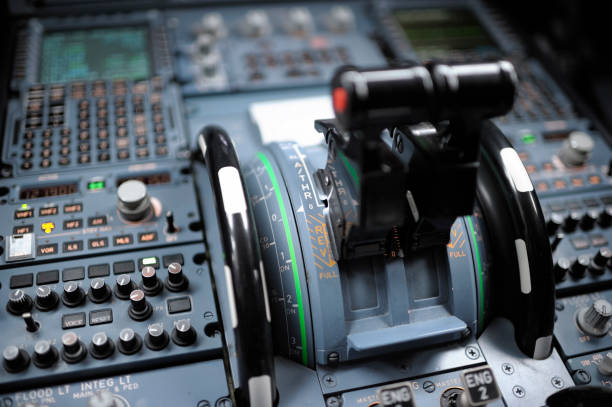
(579, 266)
(605, 365)
(205, 44)
(587, 222)
(73, 350)
(554, 223)
(73, 294)
(150, 283)
(129, 341)
(605, 217)
(594, 320)
(300, 20)
(140, 309)
(99, 291)
(183, 333)
(341, 19)
(600, 260)
(15, 359)
(176, 280)
(571, 221)
(577, 149)
(101, 346)
(18, 302)
(45, 354)
(562, 266)
(156, 338)
(256, 23)
(124, 286)
(46, 298)
(133, 200)
(213, 24)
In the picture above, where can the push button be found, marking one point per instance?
(72, 246)
(74, 273)
(47, 277)
(98, 270)
(76, 320)
(22, 280)
(100, 316)
(71, 224)
(122, 267)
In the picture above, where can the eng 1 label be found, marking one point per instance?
(396, 395)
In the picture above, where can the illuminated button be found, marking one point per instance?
(47, 227)
(97, 221)
(72, 246)
(97, 243)
(47, 249)
(148, 261)
(20, 230)
(73, 208)
(96, 185)
(531, 168)
(70, 224)
(577, 182)
(560, 184)
(594, 179)
(122, 240)
(146, 237)
(24, 214)
(548, 166)
(542, 186)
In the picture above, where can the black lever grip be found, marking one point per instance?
(522, 260)
(246, 285)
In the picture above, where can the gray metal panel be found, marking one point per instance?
(523, 381)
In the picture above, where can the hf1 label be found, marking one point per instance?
(396, 395)
(480, 386)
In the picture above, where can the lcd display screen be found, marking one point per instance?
(48, 191)
(444, 32)
(148, 179)
(99, 53)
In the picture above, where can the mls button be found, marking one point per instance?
(396, 395)
(480, 387)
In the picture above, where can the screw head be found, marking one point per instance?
(518, 391)
(429, 386)
(329, 381)
(507, 368)
(472, 352)
(332, 402)
(557, 382)
(581, 376)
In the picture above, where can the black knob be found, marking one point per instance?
(19, 302)
(15, 359)
(129, 341)
(31, 325)
(594, 320)
(73, 350)
(605, 217)
(183, 333)
(170, 226)
(150, 283)
(99, 291)
(571, 221)
(588, 219)
(156, 338)
(554, 223)
(579, 266)
(600, 260)
(46, 298)
(73, 294)
(140, 309)
(176, 280)
(562, 266)
(101, 346)
(45, 354)
(124, 286)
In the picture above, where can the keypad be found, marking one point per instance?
(108, 121)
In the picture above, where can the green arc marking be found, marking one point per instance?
(352, 171)
(479, 279)
(296, 276)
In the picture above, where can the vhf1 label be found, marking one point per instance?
(480, 386)
(396, 395)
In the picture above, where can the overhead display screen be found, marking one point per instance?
(444, 32)
(99, 53)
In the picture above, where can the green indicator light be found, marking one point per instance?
(24, 206)
(95, 185)
(147, 261)
(528, 138)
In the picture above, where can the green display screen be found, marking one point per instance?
(444, 32)
(99, 53)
